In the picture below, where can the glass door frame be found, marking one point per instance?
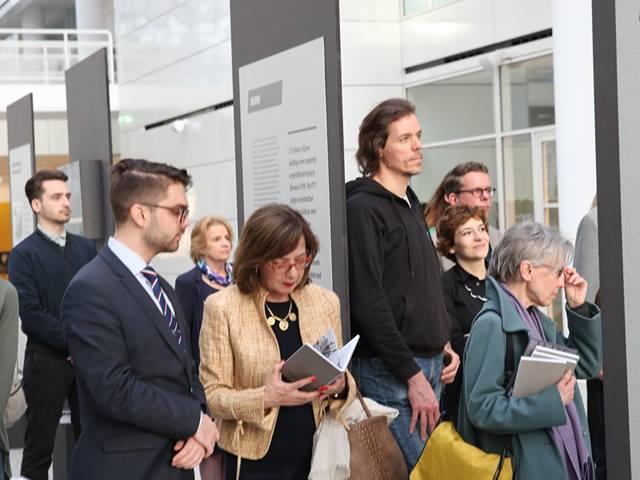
(537, 139)
(506, 56)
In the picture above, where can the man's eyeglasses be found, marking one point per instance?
(180, 211)
(281, 265)
(477, 192)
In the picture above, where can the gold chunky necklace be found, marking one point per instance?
(283, 323)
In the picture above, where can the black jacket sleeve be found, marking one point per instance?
(37, 321)
(458, 339)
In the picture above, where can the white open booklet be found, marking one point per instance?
(545, 367)
(323, 359)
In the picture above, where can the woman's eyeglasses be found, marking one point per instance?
(281, 265)
(557, 271)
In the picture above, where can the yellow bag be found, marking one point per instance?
(448, 457)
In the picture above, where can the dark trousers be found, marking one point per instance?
(595, 414)
(48, 381)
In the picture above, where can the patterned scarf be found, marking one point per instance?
(213, 276)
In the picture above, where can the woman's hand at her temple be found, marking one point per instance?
(575, 287)
(278, 393)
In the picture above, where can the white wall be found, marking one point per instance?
(469, 24)
(574, 105)
(175, 57)
(371, 65)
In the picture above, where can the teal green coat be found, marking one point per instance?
(487, 416)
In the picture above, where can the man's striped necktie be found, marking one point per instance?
(152, 277)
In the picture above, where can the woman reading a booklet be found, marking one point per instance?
(546, 431)
(463, 238)
(249, 329)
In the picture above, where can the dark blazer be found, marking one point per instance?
(139, 391)
(192, 293)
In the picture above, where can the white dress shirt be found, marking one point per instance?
(60, 240)
(136, 264)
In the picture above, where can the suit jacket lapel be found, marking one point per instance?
(177, 309)
(143, 299)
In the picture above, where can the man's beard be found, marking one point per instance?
(57, 219)
(158, 241)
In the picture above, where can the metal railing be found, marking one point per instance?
(43, 55)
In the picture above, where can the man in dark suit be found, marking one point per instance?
(143, 409)
(41, 267)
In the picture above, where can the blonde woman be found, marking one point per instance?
(211, 243)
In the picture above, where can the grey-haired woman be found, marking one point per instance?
(547, 431)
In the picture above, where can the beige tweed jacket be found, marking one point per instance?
(238, 350)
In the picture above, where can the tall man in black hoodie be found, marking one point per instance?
(396, 297)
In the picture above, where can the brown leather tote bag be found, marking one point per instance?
(375, 455)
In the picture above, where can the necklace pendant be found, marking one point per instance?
(293, 317)
(284, 325)
(271, 321)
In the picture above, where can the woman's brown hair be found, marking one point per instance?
(271, 232)
(450, 221)
(199, 235)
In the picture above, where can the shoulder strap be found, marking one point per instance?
(509, 379)
(509, 363)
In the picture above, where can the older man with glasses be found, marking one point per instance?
(466, 184)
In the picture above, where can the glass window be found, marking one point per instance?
(527, 94)
(415, 6)
(456, 107)
(439, 160)
(551, 217)
(518, 183)
(549, 171)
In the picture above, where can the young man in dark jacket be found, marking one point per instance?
(40, 267)
(396, 297)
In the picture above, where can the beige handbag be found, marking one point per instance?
(375, 455)
(16, 404)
